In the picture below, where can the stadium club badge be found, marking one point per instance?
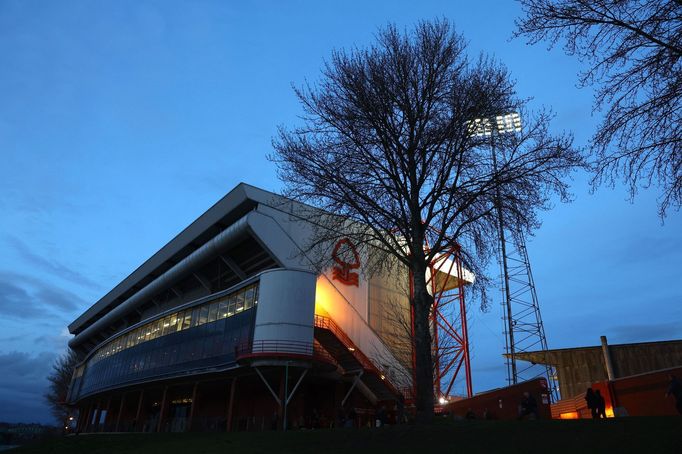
(342, 272)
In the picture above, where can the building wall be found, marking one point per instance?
(579, 368)
(389, 311)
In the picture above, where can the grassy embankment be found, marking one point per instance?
(647, 435)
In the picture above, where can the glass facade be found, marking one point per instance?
(197, 337)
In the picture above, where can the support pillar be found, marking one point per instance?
(192, 407)
(83, 413)
(98, 414)
(120, 411)
(163, 409)
(607, 359)
(90, 417)
(230, 404)
(106, 415)
(281, 410)
(139, 410)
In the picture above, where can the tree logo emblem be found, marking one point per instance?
(343, 250)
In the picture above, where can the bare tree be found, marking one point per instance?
(388, 148)
(60, 378)
(634, 49)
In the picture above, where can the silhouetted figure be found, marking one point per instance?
(529, 407)
(592, 404)
(315, 420)
(486, 414)
(675, 390)
(601, 405)
(352, 415)
(470, 414)
(340, 417)
(400, 410)
(382, 417)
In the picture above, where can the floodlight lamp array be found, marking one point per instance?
(510, 122)
(484, 127)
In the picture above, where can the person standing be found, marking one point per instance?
(400, 410)
(529, 407)
(592, 405)
(675, 390)
(601, 404)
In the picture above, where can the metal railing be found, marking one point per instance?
(367, 364)
(283, 348)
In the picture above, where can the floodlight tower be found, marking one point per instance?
(523, 327)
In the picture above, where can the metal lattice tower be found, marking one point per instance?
(523, 328)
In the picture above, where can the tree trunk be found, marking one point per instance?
(422, 302)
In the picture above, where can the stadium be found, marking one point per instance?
(232, 326)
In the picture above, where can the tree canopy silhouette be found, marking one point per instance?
(395, 147)
(59, 379)
(634, 48)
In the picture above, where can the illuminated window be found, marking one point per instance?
(188, 320)
(231, 305)
(165, 326)
(227, 306)
(240, 302)
(222, 308)
(248, 298)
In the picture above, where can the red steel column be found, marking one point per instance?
(463, 317)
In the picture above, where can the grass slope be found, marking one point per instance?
(649, 435)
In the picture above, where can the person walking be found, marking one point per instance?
(529, 407)
(675, 390)
(592, 404)
(601, 405)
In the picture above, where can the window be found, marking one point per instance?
(213, 312)
(203, 315)
(248, 298)
(195, 317)
(179, 325)
(227, 306)
(222, 308)
(240, 302)
(166, 326)
(231, 305)
(188, 320)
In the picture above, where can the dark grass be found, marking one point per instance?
(647, 435)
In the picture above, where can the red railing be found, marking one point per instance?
(283, 348)
(366, 363)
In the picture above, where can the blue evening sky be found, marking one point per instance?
(122, 121)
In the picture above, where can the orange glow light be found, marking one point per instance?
(569, 415)
(324, 296)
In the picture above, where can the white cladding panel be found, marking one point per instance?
(286, 306)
